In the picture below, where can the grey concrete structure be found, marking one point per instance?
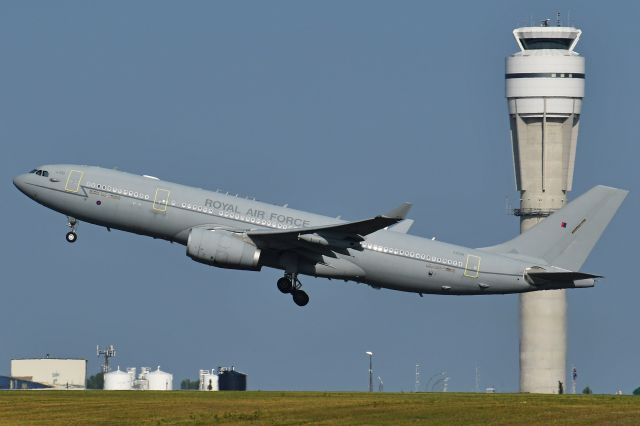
(544, 90)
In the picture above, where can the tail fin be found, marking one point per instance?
(566, 237)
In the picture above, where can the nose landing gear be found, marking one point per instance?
(71, 235)
(292, 285)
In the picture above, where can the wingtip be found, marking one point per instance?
(399, 212)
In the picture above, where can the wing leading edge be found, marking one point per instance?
(329, 235)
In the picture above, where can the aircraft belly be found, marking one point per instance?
(333, 268)
(394, 272)
(416, 275)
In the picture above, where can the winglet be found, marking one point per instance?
(399, 212)
(403, 226)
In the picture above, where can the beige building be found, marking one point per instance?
(62, 373)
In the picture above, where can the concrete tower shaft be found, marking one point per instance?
(544, 90)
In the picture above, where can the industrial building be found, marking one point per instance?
(544, 90)
(208, 380)
(146, 380)
(222, 379)
(58, 373)
(14, 383)
(231, 380)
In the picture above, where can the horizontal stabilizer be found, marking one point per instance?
(564, 277)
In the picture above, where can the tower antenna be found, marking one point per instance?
(477, 379)
(108, 352)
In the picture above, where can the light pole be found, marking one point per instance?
(370, 354)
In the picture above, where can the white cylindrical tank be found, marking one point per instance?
(117, 380)
(208, 380)
(160, 380)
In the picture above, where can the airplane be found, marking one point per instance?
(228, 231)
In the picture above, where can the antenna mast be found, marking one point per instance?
(477, 379)
(107, 352)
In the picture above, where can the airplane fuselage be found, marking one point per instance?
(383, 259)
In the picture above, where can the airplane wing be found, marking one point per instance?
(340, 235)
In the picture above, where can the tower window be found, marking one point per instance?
(546, 43)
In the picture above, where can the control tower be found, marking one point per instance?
(544, 88)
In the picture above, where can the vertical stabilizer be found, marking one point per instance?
(566, 238)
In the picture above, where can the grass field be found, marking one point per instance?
(292, 408)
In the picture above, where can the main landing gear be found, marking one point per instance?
(292, 285)
(71, 235)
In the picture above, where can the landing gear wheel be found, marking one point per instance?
(71, 237)
(284, 285)
(300, 297)
(72, 223)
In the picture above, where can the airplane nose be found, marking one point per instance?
(19, 182)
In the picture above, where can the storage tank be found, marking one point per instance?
(160, 380)
(208, 380)
(231, 380)
(117, 380)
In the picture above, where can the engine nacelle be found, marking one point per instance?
(222, 249)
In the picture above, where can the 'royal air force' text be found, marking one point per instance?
(257, 213)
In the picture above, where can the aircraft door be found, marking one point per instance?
(161, 199)
(472, 266)
(73, 181)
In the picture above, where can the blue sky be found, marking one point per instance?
(340, 108)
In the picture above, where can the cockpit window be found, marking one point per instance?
(39, 172)
(33, 171)
(44, 173)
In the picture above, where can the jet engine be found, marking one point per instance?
(222, 249)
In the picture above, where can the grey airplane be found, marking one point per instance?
(232, 232)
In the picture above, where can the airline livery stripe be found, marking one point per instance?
(544, 75)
